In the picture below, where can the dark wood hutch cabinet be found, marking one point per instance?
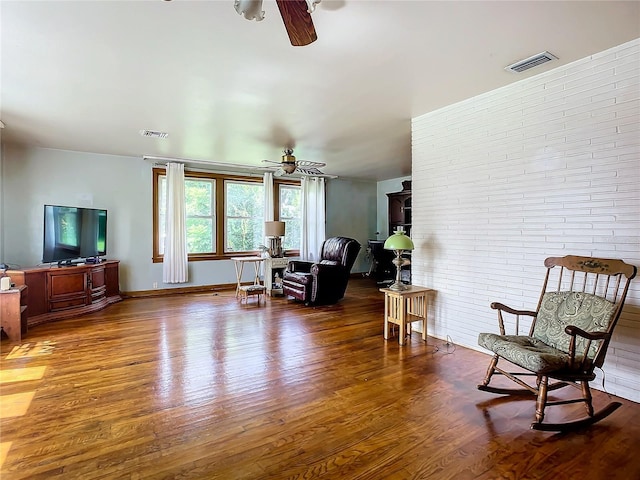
(400, 209)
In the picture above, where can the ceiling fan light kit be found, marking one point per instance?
(250, 9)
(288, 161)
(296, 15)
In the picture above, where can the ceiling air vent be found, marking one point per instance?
(531, 62)
(153, 134)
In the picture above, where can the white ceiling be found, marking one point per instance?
(89, 75)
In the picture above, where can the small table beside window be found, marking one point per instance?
(238, 263)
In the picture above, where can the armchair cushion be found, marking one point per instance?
(302, 278)
(527, 352)
(299, 266)
(583, 310)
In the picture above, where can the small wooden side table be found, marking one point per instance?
(404, 307)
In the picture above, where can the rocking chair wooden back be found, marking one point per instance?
(569, 333)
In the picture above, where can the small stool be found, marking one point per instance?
(246, 291)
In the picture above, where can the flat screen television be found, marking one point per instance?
(72, 233)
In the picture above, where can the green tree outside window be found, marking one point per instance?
(291, 215)
(244, 216)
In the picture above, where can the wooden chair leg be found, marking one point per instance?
(586, 394)
(490, 371)
(541, 402)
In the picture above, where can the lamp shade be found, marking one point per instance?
(398, 241)
(274, 229)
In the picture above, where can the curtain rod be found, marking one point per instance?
(162, 161)
(165, 160)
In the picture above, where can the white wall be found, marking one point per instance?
(32, 177)
(351, 212)
(37, 176)
(544, 167)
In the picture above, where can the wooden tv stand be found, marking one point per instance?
(57, 292)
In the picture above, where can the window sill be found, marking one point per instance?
(204, 257)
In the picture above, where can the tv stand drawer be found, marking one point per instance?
(55, 305)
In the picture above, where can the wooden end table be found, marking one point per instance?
(404, 307)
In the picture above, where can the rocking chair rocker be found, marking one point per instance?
(568, 338)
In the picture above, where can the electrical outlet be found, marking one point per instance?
(155, 284)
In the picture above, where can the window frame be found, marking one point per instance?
(219, 212)
(226, 183)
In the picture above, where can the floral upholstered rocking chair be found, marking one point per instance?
(580, 304)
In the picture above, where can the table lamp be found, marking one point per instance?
(274, 230)
(399, 242)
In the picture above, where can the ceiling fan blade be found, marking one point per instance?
(307, 163)
(297, 21)
(309, 171)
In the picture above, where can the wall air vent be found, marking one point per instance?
(531, 62)
(153, 134)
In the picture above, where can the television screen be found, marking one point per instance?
(73, 232)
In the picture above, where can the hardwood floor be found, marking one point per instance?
(201, 386)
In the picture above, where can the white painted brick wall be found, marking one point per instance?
(544, 167)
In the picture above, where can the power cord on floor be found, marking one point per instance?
(449, 346)
(603, 380)
(435, 349)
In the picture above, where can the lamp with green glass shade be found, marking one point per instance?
(399, 242)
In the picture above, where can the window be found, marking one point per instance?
(225, 214)
(289, 198)
(244, 217)
(201, 227)
(200, 210)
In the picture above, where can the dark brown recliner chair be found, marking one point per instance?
(325, 281)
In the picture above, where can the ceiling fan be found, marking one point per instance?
(289, 165)
(296, 15)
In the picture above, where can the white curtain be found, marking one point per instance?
(268, 202)
(313, 217)
(268, 196)
(175, 264)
